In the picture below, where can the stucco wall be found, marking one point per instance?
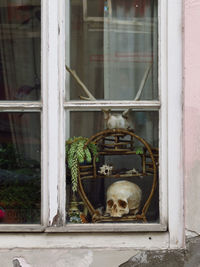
(63, 258)
(192, 114)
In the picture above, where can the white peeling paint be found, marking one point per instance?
(83, 240)
(191, 233)
(21, 261)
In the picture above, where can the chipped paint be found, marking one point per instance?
(20, 262)
(191, 233)
(57, 220)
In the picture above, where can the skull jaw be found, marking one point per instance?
(116, 214)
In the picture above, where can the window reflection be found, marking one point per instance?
(20, 26)
(20, 167)
(113, 44)
(117, 157)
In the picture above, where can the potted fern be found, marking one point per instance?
(77, 153)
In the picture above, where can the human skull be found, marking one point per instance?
(123, 197)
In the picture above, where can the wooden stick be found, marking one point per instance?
(146, 74)
(75, 76)
(92, 98)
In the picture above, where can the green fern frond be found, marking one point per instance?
(76, 153)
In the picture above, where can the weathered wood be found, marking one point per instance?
(21, 228)
(108, 227)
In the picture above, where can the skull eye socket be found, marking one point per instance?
(122, 203)
(110, 203)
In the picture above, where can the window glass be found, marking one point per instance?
(20, 27)
(87, 123)
(118, 157)
(113, 49)
(20, 174)
(95, 8)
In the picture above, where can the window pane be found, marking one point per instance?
(114, 49)
(20, 27)
(20, 168)
(95, 8)
(116, 156)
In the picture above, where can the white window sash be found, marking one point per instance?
(175, 125)
(170, 80)
(53, 108)
(139, 106)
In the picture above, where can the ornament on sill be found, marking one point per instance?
(106, 170)
(74, 214)
(77, 218)
(123, 197)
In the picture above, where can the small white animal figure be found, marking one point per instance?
(117, 120)
(106, 169)
(123, 197)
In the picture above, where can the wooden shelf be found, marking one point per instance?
(113, 176)
(90, 172)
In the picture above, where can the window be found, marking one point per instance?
(115, 54)
(122, 52)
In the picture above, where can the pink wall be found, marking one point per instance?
(192, 113)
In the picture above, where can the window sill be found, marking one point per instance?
(109, 227)
(122, 241)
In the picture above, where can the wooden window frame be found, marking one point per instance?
(169, 233)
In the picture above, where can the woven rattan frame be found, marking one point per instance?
(118, 149)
